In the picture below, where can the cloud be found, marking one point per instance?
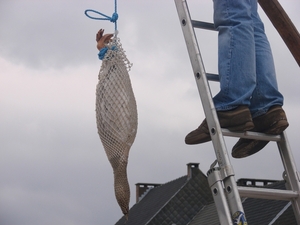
(53, 167)
(43, 34)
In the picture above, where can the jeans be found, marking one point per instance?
(245, 61)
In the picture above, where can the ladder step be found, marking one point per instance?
(212, 77)
(252, 135)
(264, 193)
(203, 25)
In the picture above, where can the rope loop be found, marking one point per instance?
(113, 18)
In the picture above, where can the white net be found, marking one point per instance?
(116, 114)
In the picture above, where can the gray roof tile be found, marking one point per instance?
(188, 201)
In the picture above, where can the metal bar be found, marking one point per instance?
(264, 193)
(212, 77)
(284, 26)
(251, 135)
(203, 25)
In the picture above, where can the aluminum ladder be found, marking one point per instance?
(227, 195)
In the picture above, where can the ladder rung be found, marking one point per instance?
(203, 25)
(252, 135)
(212, 77)
(264, 193)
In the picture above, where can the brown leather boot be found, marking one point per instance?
(238, 119)
(273, 122)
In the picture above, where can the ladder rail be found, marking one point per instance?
(215, 182)
(201, 81)
(231, 191)
(291, 174)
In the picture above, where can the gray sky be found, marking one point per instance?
(53, 168)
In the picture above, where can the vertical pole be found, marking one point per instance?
(283, 25)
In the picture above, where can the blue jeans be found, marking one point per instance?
(246, 66)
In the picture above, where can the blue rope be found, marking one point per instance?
(113, 18)
(102, 53)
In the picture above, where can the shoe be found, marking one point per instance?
(273, 122)
(238, 119)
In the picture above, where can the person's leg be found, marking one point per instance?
(236, 60)
(267, 113)
(266, 93)
(236, 63)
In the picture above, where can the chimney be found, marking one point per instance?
(142, 188)
(190, 168)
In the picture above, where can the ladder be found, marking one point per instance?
(227, 195)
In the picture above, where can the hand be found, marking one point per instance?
(102, 40)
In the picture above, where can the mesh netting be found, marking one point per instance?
(116, 114)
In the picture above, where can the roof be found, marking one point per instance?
(256, 213)
(176, 202)
(152, 202)
(182, 208)
(208, 215)
(188, 201)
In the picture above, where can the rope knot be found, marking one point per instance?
(114, 17)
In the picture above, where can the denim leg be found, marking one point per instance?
(266, 93)
(236, 53)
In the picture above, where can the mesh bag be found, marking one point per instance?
(116, 115)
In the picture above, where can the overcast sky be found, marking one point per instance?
(53, 168)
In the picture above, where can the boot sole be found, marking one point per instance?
(255, 146)
(251, 148)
